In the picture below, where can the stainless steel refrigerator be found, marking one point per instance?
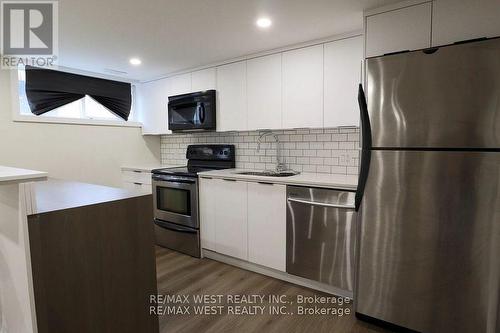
(429, 197)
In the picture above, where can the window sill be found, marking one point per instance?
(73, 121)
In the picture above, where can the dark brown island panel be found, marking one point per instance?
(93, 262)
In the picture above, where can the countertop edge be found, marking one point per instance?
(292, 180)
(56, 195)
(145, 168)
(86, 205)
(17, 175)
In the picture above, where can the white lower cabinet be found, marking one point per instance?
(138, 180)
(244, 220)
(231, 219)
(207, 197)
(267, 225)
(223, 209)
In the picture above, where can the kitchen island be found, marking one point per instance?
(90, 261)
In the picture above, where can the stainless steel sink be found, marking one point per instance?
(269, 173)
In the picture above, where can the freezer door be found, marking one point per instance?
(444, 98)
(429, 252)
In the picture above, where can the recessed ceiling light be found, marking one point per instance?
(135, 61)
(264, 22)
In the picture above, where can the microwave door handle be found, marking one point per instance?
(201, 110)
(199, 114)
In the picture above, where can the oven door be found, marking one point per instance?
(176, 200)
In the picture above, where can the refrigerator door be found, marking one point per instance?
(429, 252)
(441, 98)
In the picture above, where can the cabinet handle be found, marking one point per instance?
(206, 177)
(138, 183)
(229, 180)
(137, 171)
(264, 183)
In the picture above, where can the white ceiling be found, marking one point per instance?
(173, 35)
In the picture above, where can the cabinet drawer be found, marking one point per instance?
(146, 188)
(136, 177)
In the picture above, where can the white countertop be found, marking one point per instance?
(9, 174)
(145, 168)
(57, 194)
(344, 182)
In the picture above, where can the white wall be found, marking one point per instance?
(85, 153)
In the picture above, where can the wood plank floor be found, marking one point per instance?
(179, 274)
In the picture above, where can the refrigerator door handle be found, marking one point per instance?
(366, 146)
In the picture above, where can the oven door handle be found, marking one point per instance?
(174, 227)
(174, 180)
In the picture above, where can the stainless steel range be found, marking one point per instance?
(175, 195)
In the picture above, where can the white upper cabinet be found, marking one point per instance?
(203, 80)
(303, 87)
(454, 21)
(267, 225)
(152, 106)
(402, 29)
(264, 92)
(343, 59)
(232, 97)
(181, 84)
(231, 218)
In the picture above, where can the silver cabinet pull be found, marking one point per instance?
(321, 204)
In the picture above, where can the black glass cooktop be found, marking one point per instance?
(182, 171)
(203, 158)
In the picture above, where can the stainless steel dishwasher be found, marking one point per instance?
(321, 235)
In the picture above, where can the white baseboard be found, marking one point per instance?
(276, 274)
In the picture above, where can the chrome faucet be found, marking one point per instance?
(280, 167)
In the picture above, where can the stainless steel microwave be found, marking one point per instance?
(192, 112)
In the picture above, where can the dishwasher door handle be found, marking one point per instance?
(321, 204)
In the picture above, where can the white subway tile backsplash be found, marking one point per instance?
(309, 168)
(310, 152)
(329, 150)
(346, 145)
(324, 169)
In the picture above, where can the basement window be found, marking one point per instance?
(83, 111)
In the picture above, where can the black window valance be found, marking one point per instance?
(48, 89)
